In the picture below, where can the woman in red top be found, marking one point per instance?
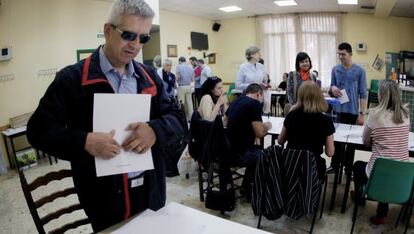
(303, 73)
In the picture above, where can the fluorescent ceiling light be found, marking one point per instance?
(230, 8)
(286, 3)
(348, 2)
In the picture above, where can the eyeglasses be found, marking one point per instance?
(131, 36)
(341, 54)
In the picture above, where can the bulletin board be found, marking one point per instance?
(83, 54)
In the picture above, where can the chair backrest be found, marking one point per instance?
(391, 181)
(34, 205)
(374, 86)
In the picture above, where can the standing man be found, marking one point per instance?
(244, 126)
(185, 75)
(197, 76)
(62, 123)
(205, 71)
(348, 78)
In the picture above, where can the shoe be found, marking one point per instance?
(378, 220)
(362, 202)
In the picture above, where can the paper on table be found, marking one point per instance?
(344, 98)
(117, 111)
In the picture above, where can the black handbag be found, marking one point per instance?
(224, 200)
(221, 200)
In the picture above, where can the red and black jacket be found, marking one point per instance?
(63, 119)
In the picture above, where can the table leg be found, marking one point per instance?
(14, 154)
(349, 160)
(335, 185)
(7, 151)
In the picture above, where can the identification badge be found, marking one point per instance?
(137, 182)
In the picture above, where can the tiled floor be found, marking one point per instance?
(15, 216)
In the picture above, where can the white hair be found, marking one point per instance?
(129, 7)
(167, 62)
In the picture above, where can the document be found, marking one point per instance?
(344, 98)
(117, 111)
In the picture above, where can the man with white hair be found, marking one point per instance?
(62, 123)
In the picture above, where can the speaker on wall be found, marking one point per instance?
(216, 27)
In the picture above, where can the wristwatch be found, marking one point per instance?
(361, 113)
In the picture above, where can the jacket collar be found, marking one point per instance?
(92, 72)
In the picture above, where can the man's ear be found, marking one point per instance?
(107, 29)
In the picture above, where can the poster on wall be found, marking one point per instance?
(378, 63)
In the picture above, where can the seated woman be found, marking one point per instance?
(386, 130)
(307, 128)
(213, 99)
(303, 67)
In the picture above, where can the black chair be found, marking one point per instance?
(28, 188)
(210, 148)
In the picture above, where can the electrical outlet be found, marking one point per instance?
(7, 77)
(45, 73)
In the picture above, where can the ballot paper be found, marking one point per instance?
(344, 98)
(117, 111)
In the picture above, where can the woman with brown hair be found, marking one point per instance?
(306, 127)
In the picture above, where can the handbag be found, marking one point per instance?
(221, 200)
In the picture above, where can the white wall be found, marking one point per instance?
(175, 29)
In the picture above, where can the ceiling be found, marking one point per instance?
(209, 8)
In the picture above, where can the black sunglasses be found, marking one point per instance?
(131, 36)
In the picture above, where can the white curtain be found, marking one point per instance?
(281, 37)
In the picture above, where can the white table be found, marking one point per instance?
(344, 133)
(179, 219)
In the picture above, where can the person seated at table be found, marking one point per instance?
(306, 127)
(244, 126)
(303, 67)
(213, 99)
(283, 86)
(386, 130)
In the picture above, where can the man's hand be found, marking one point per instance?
(141, 139)
(360, 120)
(102, 145)
(268, 125)
(335, 91)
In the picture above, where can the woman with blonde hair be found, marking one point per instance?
(386, 130)
(306, 127)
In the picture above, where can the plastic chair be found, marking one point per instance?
(40, 222)
(230, 94)
(373, 92)
(390, 182)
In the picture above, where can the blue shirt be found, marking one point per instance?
(185, 72)
(125, 83)
(353, 81)
(250, 73)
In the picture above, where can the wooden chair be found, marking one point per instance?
(34, 205)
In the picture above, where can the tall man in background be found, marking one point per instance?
(347, 78)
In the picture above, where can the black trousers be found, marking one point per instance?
(138, 198)
(360, 180)
(249, 160)
(340, 150)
